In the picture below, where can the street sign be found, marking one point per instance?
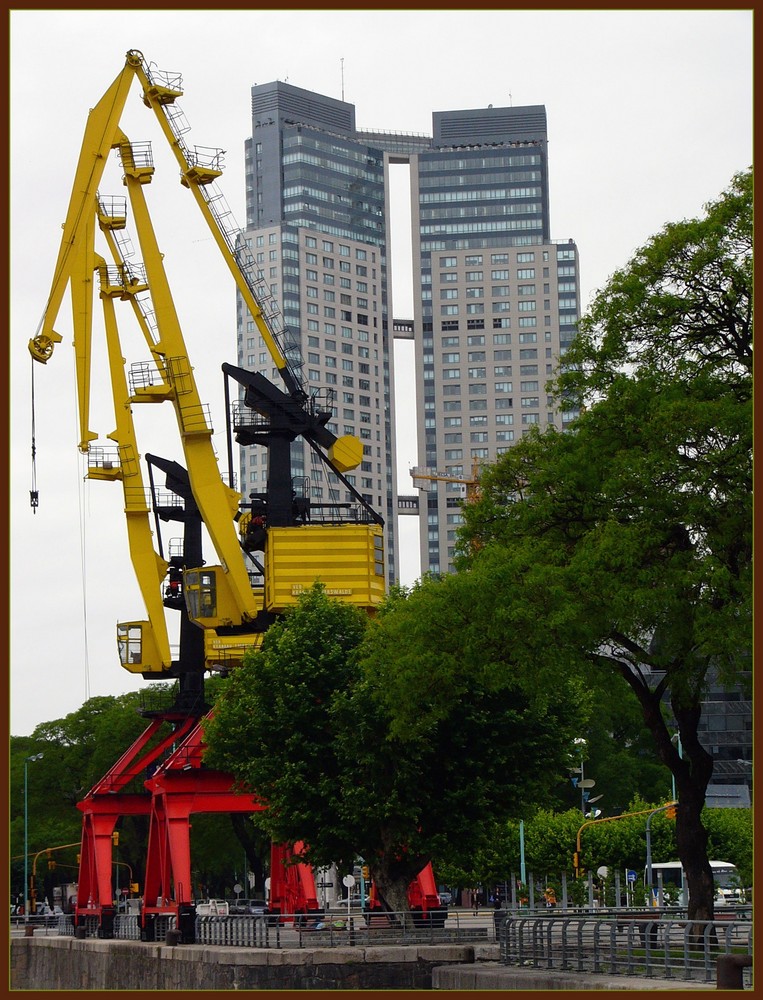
(631, 875)
(324, 885)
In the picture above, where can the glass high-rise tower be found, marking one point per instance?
(495, 299)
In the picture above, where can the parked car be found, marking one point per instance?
(254, 907)
(446, 898)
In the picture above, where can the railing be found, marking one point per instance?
(324, 930)
(651, 946)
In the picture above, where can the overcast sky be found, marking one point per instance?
(649, 116)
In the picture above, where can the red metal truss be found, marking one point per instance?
(292, 883)
(103, 806)
(175, 795)
(179, 787)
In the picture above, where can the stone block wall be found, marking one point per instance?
(67, 963)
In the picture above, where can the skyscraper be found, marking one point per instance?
(495, 300)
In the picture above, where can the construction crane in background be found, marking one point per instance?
(271, 546)
(422, 476)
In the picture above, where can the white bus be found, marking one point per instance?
(725, 876)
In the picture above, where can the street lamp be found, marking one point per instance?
(27, 760)
(584, 784)
(676, 738)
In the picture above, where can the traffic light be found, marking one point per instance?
(134, 887)
(670, 812)
(78, 858)
(364, 871)
(115, 838)
(576, 860)
(51, 865)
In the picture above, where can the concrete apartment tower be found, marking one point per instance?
(495, 299)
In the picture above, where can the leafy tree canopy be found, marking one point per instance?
(627, 543)
(307, 723)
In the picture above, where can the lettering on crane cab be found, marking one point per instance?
(298, 588)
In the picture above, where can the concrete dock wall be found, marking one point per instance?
(64, 963)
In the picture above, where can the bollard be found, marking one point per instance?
(728, 971)
(28, 930)
(172, 938)
(80, 932)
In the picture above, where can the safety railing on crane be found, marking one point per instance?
(210, 161)
(112, 216)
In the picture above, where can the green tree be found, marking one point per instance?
(307, 723)
(627, 543)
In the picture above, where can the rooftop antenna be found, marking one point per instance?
(511, 102)
(342, 62)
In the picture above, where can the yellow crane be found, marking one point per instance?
(422, 475)
(221, 599)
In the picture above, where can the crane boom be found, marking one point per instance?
(199, 169)
(102, 121)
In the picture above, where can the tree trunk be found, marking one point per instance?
(692, 773)
(393, 895)
(391, 876)
(692, 770)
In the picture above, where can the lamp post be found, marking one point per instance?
(676, 738)
(584, 784)
(27, 760)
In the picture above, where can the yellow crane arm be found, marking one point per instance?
(150, 568)
(197, 172)
(217, 502)
(101, 124)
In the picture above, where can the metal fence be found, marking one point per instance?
(651, 946)
(330, 930)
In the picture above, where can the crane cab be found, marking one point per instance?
(209, 597)
(138, 649)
